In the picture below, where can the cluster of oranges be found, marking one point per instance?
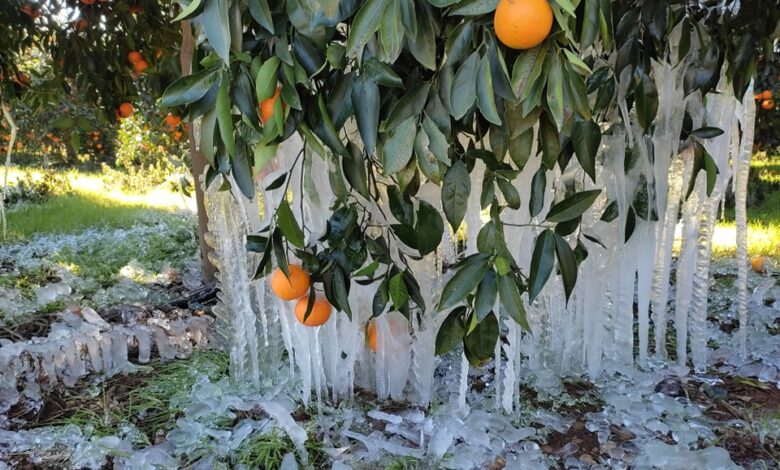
(295, 287)
(173, 123)
(137, 61)
(766, 99)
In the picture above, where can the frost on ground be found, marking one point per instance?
(187, 412)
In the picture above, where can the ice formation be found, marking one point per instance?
(82, 343)
(592, 333)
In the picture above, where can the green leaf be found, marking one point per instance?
(458, 42)
(590, 23)
(474, 7)
(341, 292)
(707, 132)
(398, 149)
(367, 270)
(573, 206)
(398, 292)
(555, 92)
(464, 90)
(465, 280)
(400, 206)
(481, 342)
(187, 10)
(542, 263)
(511, 195)
(280, 254)
(486, 97)
(527, 70)
(538, 186)
(189, 88)
(426, 160)
(266, 79)
(263, 153)
(366, 103)
(411, 104)
(437, 141)
(364, 26)
(391, 33)
(455, 194)
(567, 6)
(262, 14)
(646, 96)
(423, 46)
(712, 171)
(549, 142)
(451, 331)
(288, 225)
(354, 166)
(207, 125)
(488, 239)
(429, 228)
(586, 138)
(567, 263)
(242, 171)
(225, 118)
(216, 26)
(520, 148)
(487, 292)
(381, 73)
(511, 300)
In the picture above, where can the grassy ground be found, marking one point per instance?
(91, 203)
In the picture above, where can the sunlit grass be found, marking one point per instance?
(91, 203)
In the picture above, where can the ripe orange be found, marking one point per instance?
(172, 120)
(767, 104)
(158, 52)
(371, 336)
(767, 94)
(177, 136)
(267, 106)
(134, 56)
(760, 264)
(125, 110)
(320, 311)
(292, 288)
(99, 146)
(523, 24)
(88, 2)
(140, 66)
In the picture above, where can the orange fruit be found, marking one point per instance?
(371, 336)
(767, 94)
(82, 24)
(320, 311)
(267, 106)
(767, 104)
(523, 24)
(293, 287)
(99, 146)
(177, 136)
(134, 56)
(27, 10)
(760, 264)
(140, 66)
(759, 95)
(125, 110)
(172, 120)
(158, 52)
(88, 2)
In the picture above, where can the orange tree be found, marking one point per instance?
(433, 87)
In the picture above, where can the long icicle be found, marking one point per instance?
(742, 163)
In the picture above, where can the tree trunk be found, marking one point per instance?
(197, 158)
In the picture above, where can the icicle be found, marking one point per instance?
(742, 170)
(464, 383)
(510, 373)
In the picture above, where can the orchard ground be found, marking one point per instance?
(89, 243)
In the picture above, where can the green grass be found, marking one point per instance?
(90, 203)
(268, 450)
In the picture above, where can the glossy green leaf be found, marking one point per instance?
(520, 148)
(455, 194)
(458, 42)
(555, 92)
(242, 171)
(707, 132)
(573, 206)
(207, 125)
(430, 228)
(366, 103)
(426, 160)
(586, 138)
(391, 33)
(364, 26)
(465, 280)
(542, 263)
(423, 46)
(262, 14)
(189, 88)
(511, 300)
(398, 149)
(486, 97)
(538, 187)
(266, 79)
(646, 96)
(487, 292)
(341, 291)
(511, 195)
(187, 11)
(474, 7)
(215, 25)
(382, 74)
(549, 142)
(481, 342)
(263, 153)
(567, 264)
(451, 332)
(225, 118)
(354, 166)
(590, 23)
(288, 225)
(398, 293)
(411, 104)
(437, 141)
(464, 89)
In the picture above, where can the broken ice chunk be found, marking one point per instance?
(382, 416)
